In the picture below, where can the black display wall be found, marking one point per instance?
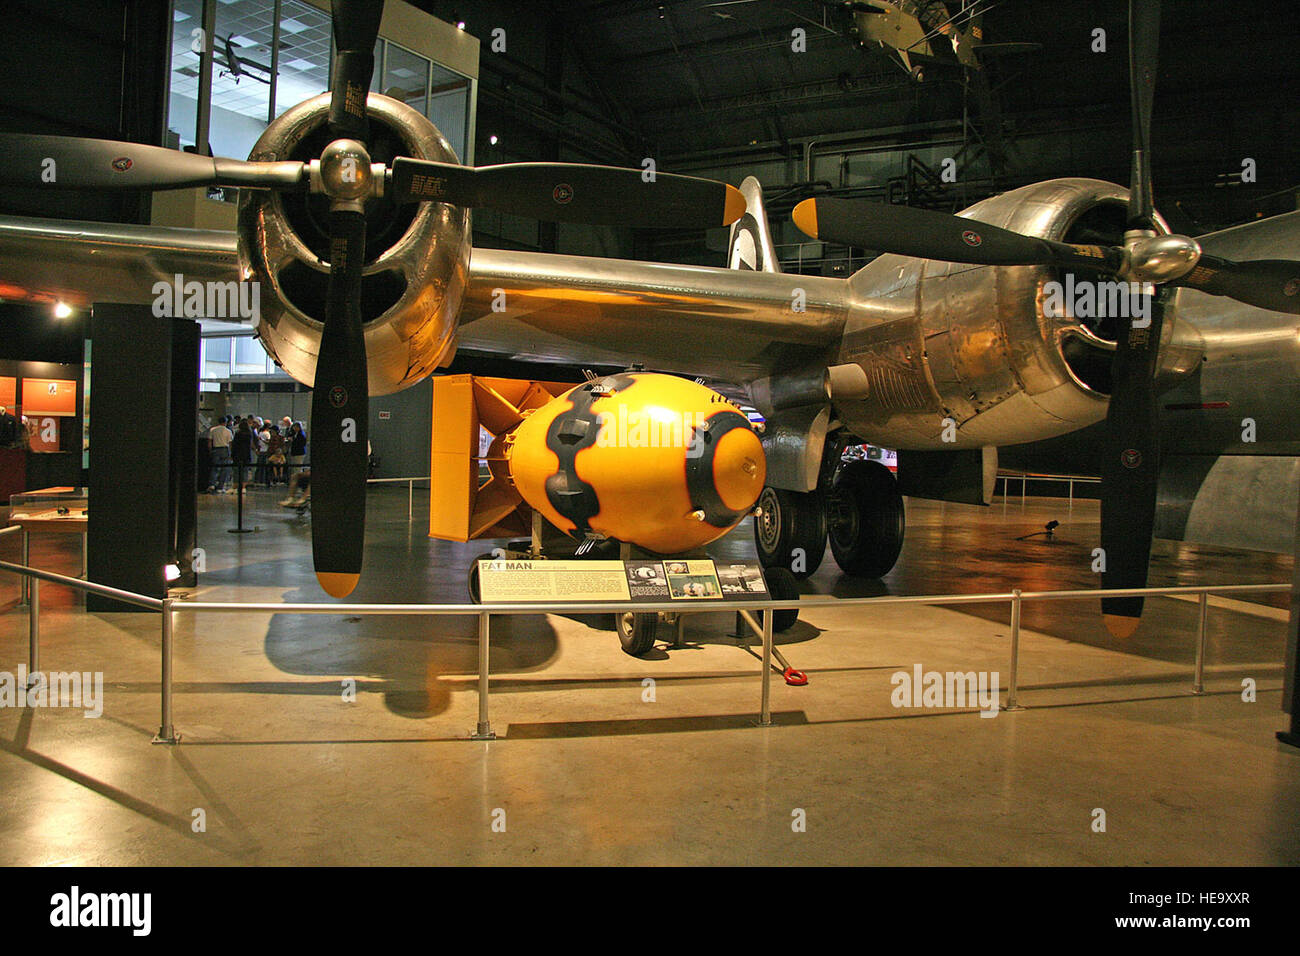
(143, 402)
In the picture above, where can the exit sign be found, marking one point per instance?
(385, 416)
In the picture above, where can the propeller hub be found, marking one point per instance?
(1154, 258)
(345, 173)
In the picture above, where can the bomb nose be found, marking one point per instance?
(739, 469)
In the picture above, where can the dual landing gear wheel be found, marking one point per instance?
(865, 519)
(636, 632)
(791, 530)
(474, 594)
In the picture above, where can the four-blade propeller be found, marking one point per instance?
(1132, 448)
(601, 195)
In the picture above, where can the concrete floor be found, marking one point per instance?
(285, 771)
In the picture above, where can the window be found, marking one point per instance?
(260, 68)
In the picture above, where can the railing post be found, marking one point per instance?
(1198, 684)
(484, 731)
(410, 500)
(166, 731)
(1013, 681)
(25, 582)
(765, 714)
(33, 626)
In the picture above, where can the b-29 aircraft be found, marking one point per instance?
(947, 347)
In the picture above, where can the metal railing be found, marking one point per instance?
(169, 607)
(410, 491)
(1026, 478)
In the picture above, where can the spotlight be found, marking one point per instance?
(62, 310)
(493, 139)
(171, 572)
(1047, 532)
(460, 24)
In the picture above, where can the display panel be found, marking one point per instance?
(49, 396)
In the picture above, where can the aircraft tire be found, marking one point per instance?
(791, 521)
(636, 632)
(474, 594)
(866, 521)
(782, 586)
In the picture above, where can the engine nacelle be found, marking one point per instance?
(979, 345)
(417, 255)
(654, 460)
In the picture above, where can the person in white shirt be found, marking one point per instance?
(219, 439)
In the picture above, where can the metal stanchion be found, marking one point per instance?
(1013, 682)
(484, 731)
(765, 715)
(239, 495)
(34, 626)
(24, 582)
(166, 731)
(410, 500)
(1198, 684)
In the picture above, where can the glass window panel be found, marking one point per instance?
(304, 54)
(216, 358)
(183, 100)
(449, 107)
(250, 357)
(406, 77)
(241, 75)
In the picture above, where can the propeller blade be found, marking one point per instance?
(339, 416)
(1129, 470)
(1143, 48)
(70, 162)
(926, 234)
(1264, 283)
(356, 30)
(572, 192)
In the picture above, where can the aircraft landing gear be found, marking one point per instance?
(865, 519)
(636, 631)
(790, 533)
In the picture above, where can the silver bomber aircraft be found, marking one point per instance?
(947, 347)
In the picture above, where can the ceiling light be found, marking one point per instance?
(460, 24)
(62, 310)
(492, 139)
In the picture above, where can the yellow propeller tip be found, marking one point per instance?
(337, 584)
(805, 217)
(1121, 625)
(735, 206)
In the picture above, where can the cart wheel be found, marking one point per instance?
(636, 632)
(474, 595)
(783, 586)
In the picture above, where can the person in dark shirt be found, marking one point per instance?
(241, 450)
(8, 428)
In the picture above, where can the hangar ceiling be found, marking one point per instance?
(716, 87)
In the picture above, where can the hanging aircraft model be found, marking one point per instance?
(947, 347)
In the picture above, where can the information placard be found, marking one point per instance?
(674, 581)
(49, 396)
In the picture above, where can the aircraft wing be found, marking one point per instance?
(44, 260)
(727, 323)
